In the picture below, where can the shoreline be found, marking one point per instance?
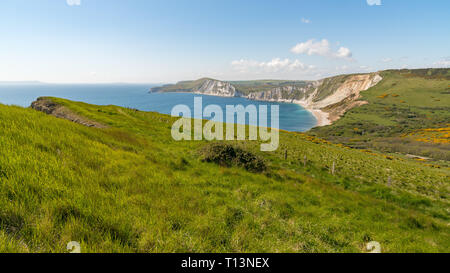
(323, 118)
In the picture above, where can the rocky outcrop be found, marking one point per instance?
(216, 88)
(49, 107)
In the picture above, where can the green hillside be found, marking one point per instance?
(405, 111)
(183, 86)
(128, 187)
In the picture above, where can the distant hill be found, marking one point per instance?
(20, 82)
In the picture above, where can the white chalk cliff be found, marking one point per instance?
(217, 88)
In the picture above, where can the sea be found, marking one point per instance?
(292, 117)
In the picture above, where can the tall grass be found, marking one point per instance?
(131, 188)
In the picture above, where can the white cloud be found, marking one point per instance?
(321, 48)
(299, 65)
(73, 2)
(343, 52)
(273, 66)
(374, 2)
(306, 21)
(311, 47)
(445, 62)
(386, 60)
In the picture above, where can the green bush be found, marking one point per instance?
(229, 155)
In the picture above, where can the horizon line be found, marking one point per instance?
(174, 82)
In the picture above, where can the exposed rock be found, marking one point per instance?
(285, 93)
(217, 88)
(342, 97)
(49, 107)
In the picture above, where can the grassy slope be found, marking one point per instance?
(131, 188)
(184, 86)
(403, 102)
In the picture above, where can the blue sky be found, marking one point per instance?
(157, 41)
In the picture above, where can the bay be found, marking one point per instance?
(292, 117)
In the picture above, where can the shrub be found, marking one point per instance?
(229, 155)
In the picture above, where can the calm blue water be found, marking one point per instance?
(292, 117)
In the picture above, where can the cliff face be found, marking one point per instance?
(285, 93)
(335, 96)
(327, 99)
(216, 88)
(350, 86)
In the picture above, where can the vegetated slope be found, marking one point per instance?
(183, 86)
(128, 187)
(407, 112)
